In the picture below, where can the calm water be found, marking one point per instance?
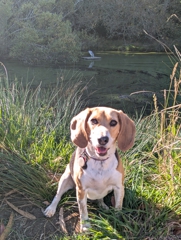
(123, 81)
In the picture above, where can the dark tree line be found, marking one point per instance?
(58, 30)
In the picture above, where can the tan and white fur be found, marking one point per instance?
(95, 168)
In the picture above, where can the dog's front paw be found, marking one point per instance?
(49, 211)
(85, 225)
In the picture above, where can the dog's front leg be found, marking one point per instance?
(82, 204)
(66, 182)
(119, 195)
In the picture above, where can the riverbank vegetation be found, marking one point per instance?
(58, 31)
(35, 148)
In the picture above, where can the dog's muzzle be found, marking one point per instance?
(101, 149)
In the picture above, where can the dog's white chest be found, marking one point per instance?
(100, 178)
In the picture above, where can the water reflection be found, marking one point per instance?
(91, 65)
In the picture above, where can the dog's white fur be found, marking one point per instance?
(96, 131)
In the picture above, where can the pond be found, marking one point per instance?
(123, 81)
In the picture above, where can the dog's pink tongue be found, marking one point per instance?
(101, 150)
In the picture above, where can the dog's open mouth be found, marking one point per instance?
(102, 151)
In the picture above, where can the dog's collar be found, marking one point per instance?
(86, 157)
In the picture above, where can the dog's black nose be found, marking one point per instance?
(103, 140)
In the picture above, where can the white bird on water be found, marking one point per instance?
(91, 53)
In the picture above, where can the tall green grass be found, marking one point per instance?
(34, 123)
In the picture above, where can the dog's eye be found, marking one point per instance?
(94, 121)
(113, 123)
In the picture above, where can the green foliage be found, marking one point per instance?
(5, 14)
(40, 34)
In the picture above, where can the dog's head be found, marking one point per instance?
(102, 127)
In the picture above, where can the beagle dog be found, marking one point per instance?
(95, 168)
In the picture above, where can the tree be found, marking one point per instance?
(37, 33)
(123, 18)
(55, 31)
(5, 14)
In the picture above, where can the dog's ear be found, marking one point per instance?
(127, 132)
(78, 128)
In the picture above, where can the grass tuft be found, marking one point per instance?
(16, 174)
(34, 123)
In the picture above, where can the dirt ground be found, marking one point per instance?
(29, 221)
